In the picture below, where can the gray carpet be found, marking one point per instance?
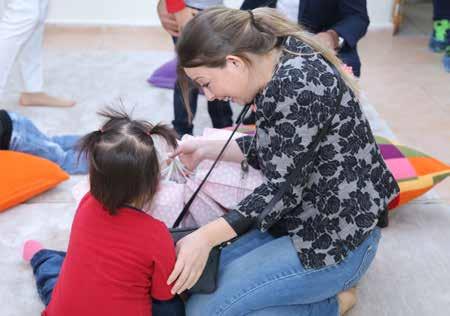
(410, 275)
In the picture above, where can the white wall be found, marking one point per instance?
(143, 12)
(121, 12)
(380, 12)
(109, 12)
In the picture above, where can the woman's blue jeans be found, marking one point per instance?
(27, 138)
(262, 275)
(47, 264)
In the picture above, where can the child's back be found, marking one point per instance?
(118, 258)
(112, 264)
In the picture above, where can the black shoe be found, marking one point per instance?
(249, 119)
(5, 129)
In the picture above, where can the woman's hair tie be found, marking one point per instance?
(253, 21)
(252, 17)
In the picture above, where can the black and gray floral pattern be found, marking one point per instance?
(340, 195)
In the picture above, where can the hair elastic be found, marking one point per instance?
(252, 17)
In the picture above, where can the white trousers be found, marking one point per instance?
(21, 36)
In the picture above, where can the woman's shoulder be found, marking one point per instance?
(298, 76)
(300, 61)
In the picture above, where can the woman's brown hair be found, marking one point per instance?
(123, 163)
(217, 32)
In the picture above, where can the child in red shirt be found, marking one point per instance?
(118, 258)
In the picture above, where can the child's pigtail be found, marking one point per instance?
(86, 147)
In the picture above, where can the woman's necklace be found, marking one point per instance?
(244, 162)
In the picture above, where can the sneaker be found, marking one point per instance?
(446, 59)
(441, 36)
(5, 129)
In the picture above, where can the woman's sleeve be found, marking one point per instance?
(294, 123)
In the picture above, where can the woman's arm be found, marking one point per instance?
(193, 150)
(193, 251)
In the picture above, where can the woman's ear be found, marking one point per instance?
(235, 62)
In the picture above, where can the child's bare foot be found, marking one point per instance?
(30, 248)
(43, 99)
(347, 300)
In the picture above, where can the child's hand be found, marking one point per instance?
(192, 255)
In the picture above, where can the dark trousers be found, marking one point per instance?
(47, 264)
(441, 9)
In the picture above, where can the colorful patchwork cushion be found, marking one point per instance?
(415, 172)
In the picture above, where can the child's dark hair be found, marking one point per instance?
(123, 163)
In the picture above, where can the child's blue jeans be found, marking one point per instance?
(27, 138)
(47, 264)
(262, 275)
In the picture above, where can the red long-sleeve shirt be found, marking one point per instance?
(115, 264)
(175, 5)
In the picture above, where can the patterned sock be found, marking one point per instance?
(30, 248)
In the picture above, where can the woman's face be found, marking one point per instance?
(231, 82)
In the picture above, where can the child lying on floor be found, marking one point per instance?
(20, 134)
(118, 258)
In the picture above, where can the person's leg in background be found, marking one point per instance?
(441, 25)
(181, 122)
(16, 27)
(220, 113)
(66, 142)
(27, 138)
(21, 33)
(440, 40)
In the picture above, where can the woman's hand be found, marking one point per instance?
(184, 16)
(191, 151)
(168, 21)
(192, 255)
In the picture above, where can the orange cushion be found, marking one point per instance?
(24, 176)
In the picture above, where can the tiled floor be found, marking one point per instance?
(403, 80)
